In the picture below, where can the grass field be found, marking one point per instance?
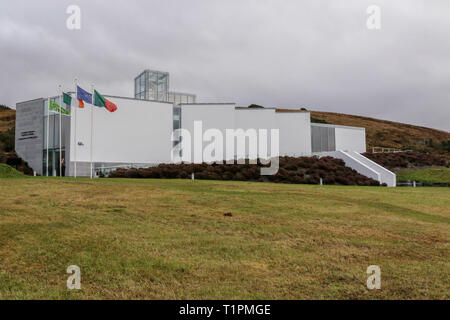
(441, 174)
(182, 239)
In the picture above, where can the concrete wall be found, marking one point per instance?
(138, 132)
(29, 132)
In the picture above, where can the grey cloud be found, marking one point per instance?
(316, 53)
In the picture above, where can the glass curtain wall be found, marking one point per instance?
(176, 123)
(179, 98)
(51, 147)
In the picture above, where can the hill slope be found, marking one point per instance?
(7, 131)
(7, 118)
(383, 133)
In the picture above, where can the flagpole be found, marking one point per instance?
(60, 131)
(48, 128)
(75, 129)
(92, 126)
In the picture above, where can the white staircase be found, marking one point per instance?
(364, 166)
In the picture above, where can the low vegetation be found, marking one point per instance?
(182, 239)
(9, 172)
(439, 175)
(306, 170)
(7, 140)
(13, 160)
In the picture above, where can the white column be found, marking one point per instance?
(60, 131)
(92, 127)
(75, 145)
(48, 128)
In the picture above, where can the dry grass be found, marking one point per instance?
(7, 119)
(174, 239)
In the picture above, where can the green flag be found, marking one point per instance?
(67, 99)
(99, 100)
(55, 107)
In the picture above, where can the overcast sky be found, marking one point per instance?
(316, 54)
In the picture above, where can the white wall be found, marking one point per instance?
(213, 116)
(257, 119)
(350, 139)
(295, 133)
(138, 132)
(294, 127)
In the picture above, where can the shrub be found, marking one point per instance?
(7, 139)
(292, 170)
(18, 163)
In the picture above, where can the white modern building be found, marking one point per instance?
(139, 133)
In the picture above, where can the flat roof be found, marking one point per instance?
(205, 103)
(130, 98)
(150, 70)
(291, 110)
(276, 109)
(30, 100)
(335, 126)
(182, 93)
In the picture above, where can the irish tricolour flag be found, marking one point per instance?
(101, 101)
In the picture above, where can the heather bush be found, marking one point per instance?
(306, 170)
(18, 163)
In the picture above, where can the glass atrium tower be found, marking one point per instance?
(154, 85)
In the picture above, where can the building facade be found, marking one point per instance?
(140, 132)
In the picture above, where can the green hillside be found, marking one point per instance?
(441, 174)
(9, 172)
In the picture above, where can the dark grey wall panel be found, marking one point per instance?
(29, 132)
(323, 138)
(315, 139)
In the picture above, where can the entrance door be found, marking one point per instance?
(53, 162)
